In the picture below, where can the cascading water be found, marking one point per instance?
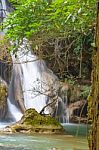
(31, 83)
(26, 84)
(3, 9)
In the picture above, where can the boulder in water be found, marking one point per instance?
(3, 98)
(33, 122)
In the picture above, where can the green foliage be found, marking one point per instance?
(85, 91)
(15, 3)
(33, 118)
(4, 49)
(68, 21)
(42, 19)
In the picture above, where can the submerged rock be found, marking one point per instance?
(33, 122)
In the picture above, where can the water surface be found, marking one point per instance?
(76, 129)
(47, 142)
(38, 142)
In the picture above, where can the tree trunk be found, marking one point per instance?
(95, 90)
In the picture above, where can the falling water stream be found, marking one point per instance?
(26, 83)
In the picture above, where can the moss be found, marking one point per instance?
(3, 98)
(3, 94)
(33, 122)
(90, 108)
(32, 117)
(4, 49)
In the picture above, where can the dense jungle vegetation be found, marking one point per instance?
(59, 31)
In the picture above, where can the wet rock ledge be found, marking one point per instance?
(3, 98)
(33, 122)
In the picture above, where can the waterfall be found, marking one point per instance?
(3, 8)
(26, 82)
(32, 83)
(61, 112)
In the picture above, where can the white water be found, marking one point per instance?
(31, 77)
(31, 83)
(4, 8)
(13, 111)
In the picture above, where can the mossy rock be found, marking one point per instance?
(33, 122)
(3, 94)
(3, 98)
(32, 117)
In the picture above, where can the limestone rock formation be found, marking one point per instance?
(3, 98)
(33, 122)
(78, 111)
(5, 59)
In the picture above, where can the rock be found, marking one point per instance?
(3, 98)
(76, 108)
(33, 122)
(76, 119)
(5, 59)
(78, 111)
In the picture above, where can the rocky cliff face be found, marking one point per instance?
(3, 98)
(5, 59)
(5, 74)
